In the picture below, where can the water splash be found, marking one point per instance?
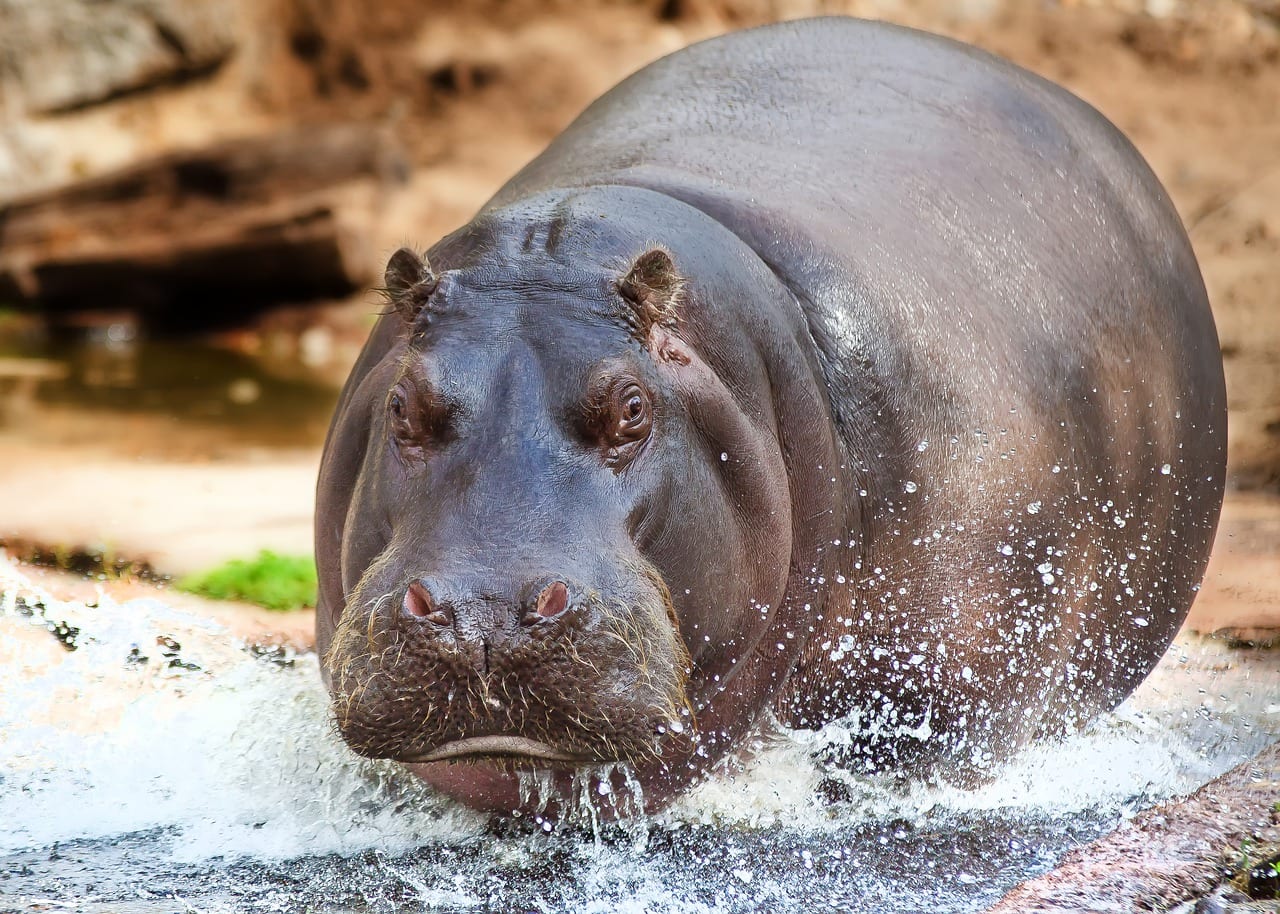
(157, 719)
(147, 755)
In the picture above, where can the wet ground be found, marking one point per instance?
(131, 393)
(178, 452)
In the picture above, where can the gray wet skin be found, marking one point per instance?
(825, 367)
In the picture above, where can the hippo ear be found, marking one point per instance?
(409, 282)
(654, 289)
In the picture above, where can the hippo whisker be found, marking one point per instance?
(373, 618)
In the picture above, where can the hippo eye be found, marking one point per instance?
(418, 420)
(633, 408)
(633, 414)
(401, 426)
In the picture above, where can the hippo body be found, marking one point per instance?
(828, 369)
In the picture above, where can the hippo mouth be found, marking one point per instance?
(512, 747)
(597, 682)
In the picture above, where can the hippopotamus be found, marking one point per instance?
(829, 370)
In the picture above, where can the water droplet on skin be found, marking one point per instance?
(909, 486)
(1057, 469)
(723, 456)
(1006, 549)
(1118, 519)
(1033, 508)
(1166, 470)
(923, 446)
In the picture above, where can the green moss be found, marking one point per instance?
(270, 580)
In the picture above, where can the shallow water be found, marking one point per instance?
(150, 763)
(144, 393)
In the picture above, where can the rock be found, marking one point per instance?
(229, 227)
(58, 56)
(1164, 856)
(1240, 599)
(1239, 246)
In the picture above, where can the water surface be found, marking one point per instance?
(177, 397)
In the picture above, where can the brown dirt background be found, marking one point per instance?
(464, 93)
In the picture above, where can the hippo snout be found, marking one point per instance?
(475, 621)
(434, 602)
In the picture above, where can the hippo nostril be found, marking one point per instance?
(553, 600)
(419, 604)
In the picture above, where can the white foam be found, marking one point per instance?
(1177, 731)
(236, 758)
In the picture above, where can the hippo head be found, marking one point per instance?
(554, 518)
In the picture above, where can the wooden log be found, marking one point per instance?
(231, 228)
(215, 274)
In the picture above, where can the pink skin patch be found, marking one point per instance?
(553, 600)
(418, 603)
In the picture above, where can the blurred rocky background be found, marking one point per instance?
(196, 194)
